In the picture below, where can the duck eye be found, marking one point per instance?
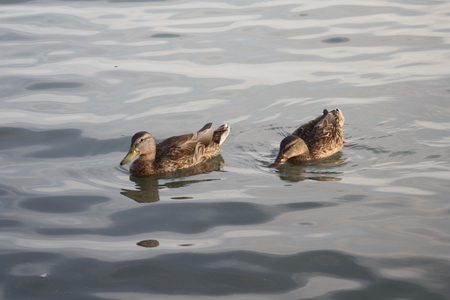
(141, 140)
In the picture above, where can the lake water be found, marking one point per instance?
(79, 78)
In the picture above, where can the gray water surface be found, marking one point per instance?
(79, 78)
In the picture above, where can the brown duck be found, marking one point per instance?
(316, 139)
(174, 153)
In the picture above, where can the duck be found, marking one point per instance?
(319, 138)
(174, 153)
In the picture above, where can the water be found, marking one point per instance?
(79, 78)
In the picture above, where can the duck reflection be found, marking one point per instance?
(148, 187)
(295, 172)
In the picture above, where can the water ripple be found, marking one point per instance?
(79, 78)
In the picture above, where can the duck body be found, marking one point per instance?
(174, 153)
(319, 138)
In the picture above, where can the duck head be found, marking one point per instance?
(290, 146)
(142, 143)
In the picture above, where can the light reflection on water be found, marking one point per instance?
(78, 79)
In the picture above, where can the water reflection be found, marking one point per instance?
(76, 73)
(339, 275)
(295, 173)
(57, 143)
(148, 187)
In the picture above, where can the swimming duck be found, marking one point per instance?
(174, 153)
(319, 138)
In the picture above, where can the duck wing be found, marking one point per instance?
(186, 148)
(305, 130)
(326, 137)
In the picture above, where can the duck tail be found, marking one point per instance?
(221, 133)
(207, 126)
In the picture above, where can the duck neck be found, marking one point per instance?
(144, 165)
(148, 157)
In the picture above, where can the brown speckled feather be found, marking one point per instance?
(324, 135)
(319, 138)
(177, 152)
(305, 130)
